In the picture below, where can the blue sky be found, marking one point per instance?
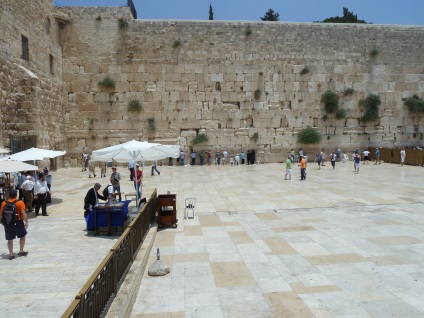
(407, 12)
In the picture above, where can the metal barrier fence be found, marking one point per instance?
(97, 294)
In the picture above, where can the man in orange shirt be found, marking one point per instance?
(302, 168)
(16, 230)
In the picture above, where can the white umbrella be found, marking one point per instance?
(135, 151)
(4, 151)
(35, 154)
(9, 166)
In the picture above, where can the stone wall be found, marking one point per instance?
(31, 97)
(230, 80)
(201, 76)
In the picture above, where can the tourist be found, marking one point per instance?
(40, 194)
(155, 167)
(91, 168)
(318, 158)
(49, 179)
(377, 156)
(357, 162)
(402, 156)
(333, 158)
(92, 198)
(243, 157)
(209, 157)
(27, 188)
(116, 176)
(225, 157)
(182, 155)
(288, 168)
(237, 160)
(302, 168)
(202, 158)
(18, 229)
(218, 158)
(366, 154)
(252, 157)
(249, 156)
(137, 180)
(193, 158)
(131, 166)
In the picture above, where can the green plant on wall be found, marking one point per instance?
(200, 138)
(341, 113)
(257, 94)
(370, 105)
(123, 24)
(99, 18)
(348, 91)
(134, 106)
(304, 71)
(248, 31)
(308, 136)
(331, 101)
(176, 44)
(152, 123)
(374, 52)
(107, 82)
(414, 104)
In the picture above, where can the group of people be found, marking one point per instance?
(113, 189)
(220, 158)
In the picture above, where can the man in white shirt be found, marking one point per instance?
(366, 154)
(40, 194)
(27, 187)
(225, 154)
(402, 156)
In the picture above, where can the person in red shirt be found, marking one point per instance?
(138, 175)
(18, 229)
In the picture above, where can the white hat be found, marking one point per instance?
(28, 178)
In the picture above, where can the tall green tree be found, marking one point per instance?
(270, 15)
(210, 12)
(348, 17)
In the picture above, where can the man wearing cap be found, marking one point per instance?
(27, 187)
(92, 198)
(16, 230)
(137, 179)
(116, 176)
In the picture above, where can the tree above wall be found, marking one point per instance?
(348, 17)
(270, 15)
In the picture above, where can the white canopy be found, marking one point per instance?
(4, 151)
(136, 151)
(9, 166)
(35, 154)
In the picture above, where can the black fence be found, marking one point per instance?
(96, 296)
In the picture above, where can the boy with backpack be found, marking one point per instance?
(15, 222)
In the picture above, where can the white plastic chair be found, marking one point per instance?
(344, 160)
(190, 205)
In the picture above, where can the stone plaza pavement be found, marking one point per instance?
(339, 244)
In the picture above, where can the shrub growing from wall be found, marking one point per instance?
(309, 136)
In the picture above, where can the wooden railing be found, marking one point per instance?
(97, 294)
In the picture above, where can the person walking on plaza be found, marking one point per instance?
(322, 153)
(318, 159)
(209, 157)
(15, 228)
(137, 180)
(338, 153)
(92, 198)
(366, 154)
(302, 168)
(218, 158)
(357, 162)
(91, 168)
(377, 156)
(402, 156)
(154, 168)
(236, 160)
(131, 166)
(333, 158)
(243, 157)
(182, 155)
(292, 155)
(249, 155)
(253, 157)
(40, 194)
(288, 168)
(116, 176)
(26, 189)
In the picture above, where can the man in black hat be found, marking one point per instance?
(17, 228)
(92, 198)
